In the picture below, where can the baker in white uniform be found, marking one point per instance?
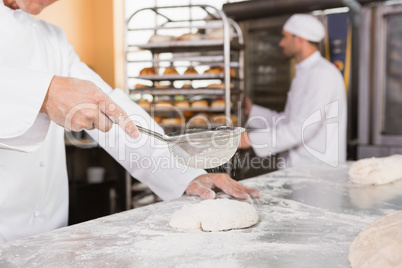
(42, 82)
(312, 128)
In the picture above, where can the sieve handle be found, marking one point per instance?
(152, 133)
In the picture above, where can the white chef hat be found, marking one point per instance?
(305, 26)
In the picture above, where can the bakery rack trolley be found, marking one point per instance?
(227, 52)
(225, 45)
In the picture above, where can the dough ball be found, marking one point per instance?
(215, 215)
(380, 244)
(376, 171)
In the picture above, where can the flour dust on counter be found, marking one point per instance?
(215, 215)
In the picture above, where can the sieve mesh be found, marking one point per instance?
(205, 149)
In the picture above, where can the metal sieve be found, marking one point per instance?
(201, 148)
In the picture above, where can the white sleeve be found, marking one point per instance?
(147, 159)
(284, 131)
(22, 92)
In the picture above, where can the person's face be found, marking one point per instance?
(32, 7)
(289, 44)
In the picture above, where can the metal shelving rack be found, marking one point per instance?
(203, 47)
(227, 52)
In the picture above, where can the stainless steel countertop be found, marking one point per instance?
(308, 218)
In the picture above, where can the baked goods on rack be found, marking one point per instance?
(218, 104)
(220, 86)
(216, 34)
(191, 70)
(157, 38)
(182, 104)
(218, 119)
(144, 104)
(221, 119)
(199, 104)
(163, 104)
(172, 121)
(157, 119)
(148, 71)
(171, 71)
(138, 86)
(214, 70)
(189, 37)
(199, 119)
(187, 86)
(220, 70)
(158, 85)
(188, 114)
(234, 119)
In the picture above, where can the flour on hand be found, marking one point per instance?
(215, 215)
(380, 244)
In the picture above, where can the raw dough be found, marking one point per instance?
(215, 215)
(379, 245)
(376, 170)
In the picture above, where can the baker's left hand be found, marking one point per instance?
(203, 186)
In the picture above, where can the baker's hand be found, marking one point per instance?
(247, 104)
(79, 104)
(204, 185)
(245, 142)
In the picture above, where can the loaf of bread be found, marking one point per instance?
(220, 86)
(214, 70)
(199, 119)
(163, 104)
(182, 104)
(171, 71)
(187, 86)
(157, 119)
(199, 104)
(156, 38)
(218, 104)
(144, 104)
(218, 119)
(219, 70)
(191, 70)
(138, 86)
(148, 71)
(172, 121)
(189, 37)
(234, 119)
(162, 86)
(221, 119)
(216, 34)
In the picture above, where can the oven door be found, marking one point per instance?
(388, 78)
(380, 89)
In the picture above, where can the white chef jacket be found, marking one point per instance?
(33, 175)
(312, 128)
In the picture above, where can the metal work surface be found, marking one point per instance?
(308, 218)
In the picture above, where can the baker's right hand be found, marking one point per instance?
(247, 104)
(79, 104)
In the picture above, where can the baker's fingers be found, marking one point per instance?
(228, 185)
(103, 123)
(253, 192)
(81, 117)
(196, 188)
(118, 116)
